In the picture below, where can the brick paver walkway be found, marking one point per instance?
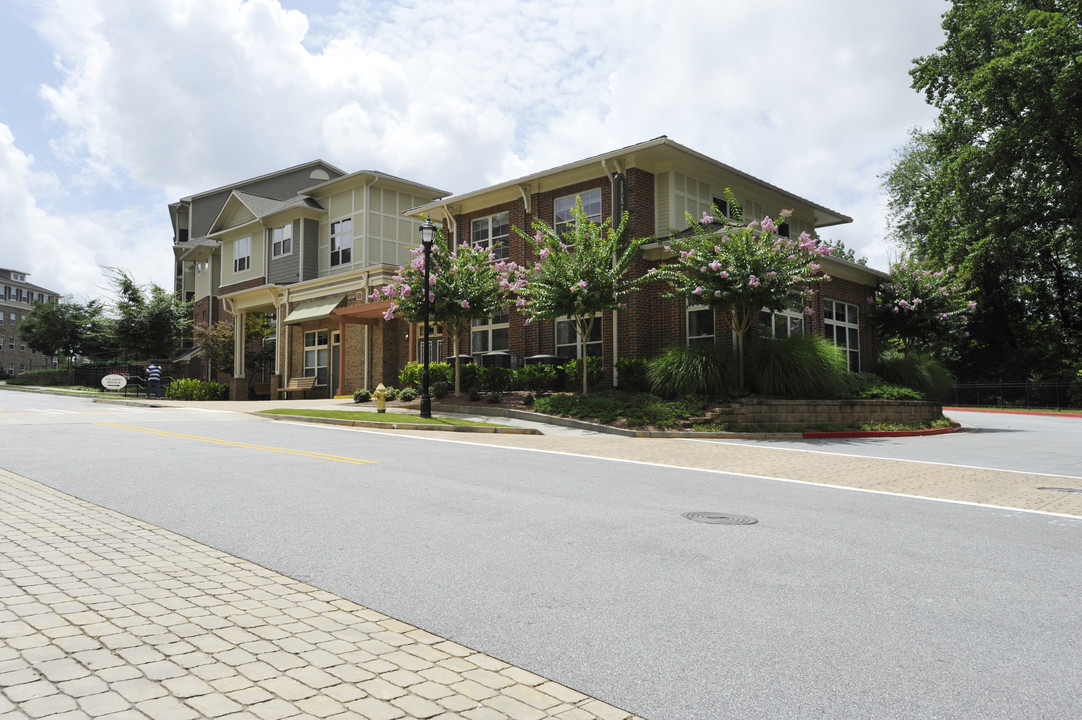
(103, 616)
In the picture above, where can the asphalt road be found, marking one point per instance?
(834, 604)
(1000, 441)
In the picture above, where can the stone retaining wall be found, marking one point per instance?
(801, 414)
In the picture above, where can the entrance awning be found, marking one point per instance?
(313, 309)
(366, 313)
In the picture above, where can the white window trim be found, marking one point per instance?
(486, 326)
(598, 327)
(312, 369)
(501, 251)
(276, 251)
(338, 243)
(700, 339)
(790, 315)
(562, 226)
(830, 326)
(245, 260)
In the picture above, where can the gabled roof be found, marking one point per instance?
(329, 185)
(260, 207)
(654, 152)
(320, 164)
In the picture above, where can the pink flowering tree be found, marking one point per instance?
(740, 269)
(578, 273)
(464, 284)
(921, 308)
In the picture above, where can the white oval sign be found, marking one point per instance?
(114, 382)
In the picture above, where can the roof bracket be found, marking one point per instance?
(525, 191)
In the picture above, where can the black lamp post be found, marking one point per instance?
(428, 236)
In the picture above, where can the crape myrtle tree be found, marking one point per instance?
(994, 187)
(921, 308)
(740, 270)
(578, 273)
(216, 341)
(463, 285)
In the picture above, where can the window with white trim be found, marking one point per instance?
(781, 325)
(242, 254)
(492, 233)
(841, 325)
(490, 334)
(700, 325)
(315, 355)
(282, 240)
(342, 242)
(591, 205)
(567, 340)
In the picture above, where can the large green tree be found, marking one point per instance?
(55, 328)
(995, 186)
(148, 322)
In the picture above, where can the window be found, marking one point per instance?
(841, 326)
(315, 355)
(1, 343)
(490, 334)
(11, 318)
(591, 204)
(282, 240)
(567, 340)
(341, 242)
(700, 321)
(11, 343)
(22, 346)
(242, 253)
(781, 325)
(493, 233)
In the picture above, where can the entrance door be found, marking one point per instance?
(336, 341)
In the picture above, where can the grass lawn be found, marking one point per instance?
(388, 418)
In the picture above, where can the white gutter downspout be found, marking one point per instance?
(454, 225)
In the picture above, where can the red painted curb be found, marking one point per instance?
(955, 427)
(1008, 411)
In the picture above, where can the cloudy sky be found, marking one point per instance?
(110, 109)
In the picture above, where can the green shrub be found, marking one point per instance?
(362, 396)
(869, 386)
(496, 379)
(528, 399)
(192, 389)
(633, 375)
(392, 392)
(635, 410)
(594, 369)
(412, 373)
(474, 394)
(803, 366)
(697, 370)
(407, 394)
(43, 378)
(471, 376)
(493, 397)
(536, 378)
(919, 372)
(441, 389)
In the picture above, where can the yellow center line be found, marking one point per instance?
(232, 443)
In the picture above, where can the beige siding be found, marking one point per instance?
(255, 270)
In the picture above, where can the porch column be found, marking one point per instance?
(238, 345)
(341, 355)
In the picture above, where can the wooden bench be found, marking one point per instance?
(298, 384)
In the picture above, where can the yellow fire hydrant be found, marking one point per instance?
(381, 398)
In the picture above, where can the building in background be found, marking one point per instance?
(17, 298)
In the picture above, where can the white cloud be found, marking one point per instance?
(161, 99)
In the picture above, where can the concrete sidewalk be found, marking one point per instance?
(103, 616)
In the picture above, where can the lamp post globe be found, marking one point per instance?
(428, 236)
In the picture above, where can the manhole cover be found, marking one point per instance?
(1070, 490)
(717, 518)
